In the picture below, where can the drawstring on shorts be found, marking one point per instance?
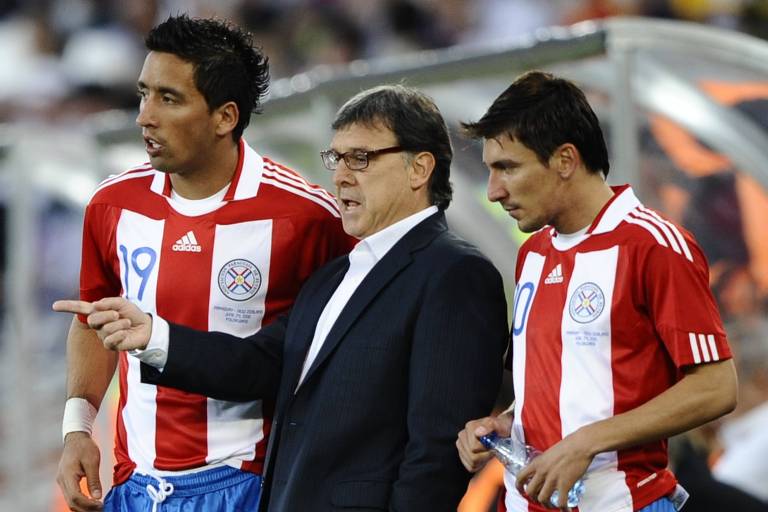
(158, 495)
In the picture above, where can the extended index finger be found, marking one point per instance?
(79, 307)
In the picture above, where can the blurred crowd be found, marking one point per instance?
(71, 57)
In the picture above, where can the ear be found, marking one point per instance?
(226, 117)
(566, 159)
(422, 165)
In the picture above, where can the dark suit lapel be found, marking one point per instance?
(380, 275)
(307, 322)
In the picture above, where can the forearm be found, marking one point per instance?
(706, 392)
(220, 365)
(90, 367)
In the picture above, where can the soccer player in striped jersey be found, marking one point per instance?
(617, 343)
(208, 233)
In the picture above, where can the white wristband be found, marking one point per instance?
(79, 416)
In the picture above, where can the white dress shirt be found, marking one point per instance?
(362, 259)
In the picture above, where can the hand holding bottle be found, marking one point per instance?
(472, 453)
(516, 455)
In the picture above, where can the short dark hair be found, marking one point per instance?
(543, 112)
(415, 121)
(228, 67)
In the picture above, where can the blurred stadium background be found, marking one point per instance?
(681, 87)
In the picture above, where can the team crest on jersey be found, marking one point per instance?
(586, 303)
(239, 279)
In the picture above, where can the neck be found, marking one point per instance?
(420, 203)
(212, 175)
(586, 198)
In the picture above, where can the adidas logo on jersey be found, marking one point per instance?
(556, 276)
(187, 243)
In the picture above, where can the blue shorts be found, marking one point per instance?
(221, 489)
(660, 505)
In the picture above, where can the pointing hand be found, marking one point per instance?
(119, 323)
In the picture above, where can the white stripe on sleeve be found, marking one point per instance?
(704, 349)
(713, 347)
(694, 348)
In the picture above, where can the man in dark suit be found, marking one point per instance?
(369, 371)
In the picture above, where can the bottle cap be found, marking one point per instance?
(488, 440)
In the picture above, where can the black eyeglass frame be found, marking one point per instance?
(349, 156)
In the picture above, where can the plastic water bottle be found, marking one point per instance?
(515, 456)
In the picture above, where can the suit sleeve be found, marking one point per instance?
(222, 366)
(455, 372)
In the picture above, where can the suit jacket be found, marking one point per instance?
(416, 353)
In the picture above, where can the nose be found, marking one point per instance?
(145, 117)
(495, 190)
(342, 176)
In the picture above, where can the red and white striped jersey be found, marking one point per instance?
(604, 321)
(232, 268)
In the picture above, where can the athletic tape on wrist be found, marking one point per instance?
(79, 416)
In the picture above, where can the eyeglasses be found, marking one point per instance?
(356, 160)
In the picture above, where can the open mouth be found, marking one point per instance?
(152, 146)
(349, 204)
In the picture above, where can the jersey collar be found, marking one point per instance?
(245, 182)
(613, 212)
(623, 201)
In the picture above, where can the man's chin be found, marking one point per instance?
(350, 227)
(528, 227)
(160, 165)
(156, 162)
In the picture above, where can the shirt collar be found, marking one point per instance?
(379, 243)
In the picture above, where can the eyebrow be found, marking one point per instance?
(351, 150)
(505, 163)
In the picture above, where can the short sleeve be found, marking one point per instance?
(97, 279)
(681, 305)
